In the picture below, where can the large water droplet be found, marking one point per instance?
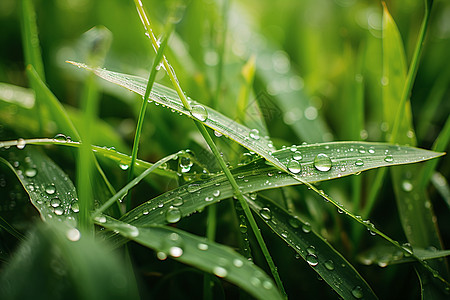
(30, 172)
(178, 201)
(194, 187)
(55, 202)
(294, 222)
(254, 134)
(359, 162)
(312, 260)
(266, 213)
(73, 234)
(306, 227)
(216, 193)
(59, 211)
(21, 144)
(357, 292)
(238, 263)
(175, 251)
(199, 112)
(389, 158)
(60, 137)
(329, 264)
(185, 164)
(50, 189)
(322, 162)
(173, 215)
(297, 155)
(202, 246)
(220, 271)
(407, 186)
(294, 167)
(124, 166)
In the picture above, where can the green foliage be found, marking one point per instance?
(273, 91)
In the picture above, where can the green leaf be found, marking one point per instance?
(51, 191)
(320, 255)
(199, 252)
(345, 159)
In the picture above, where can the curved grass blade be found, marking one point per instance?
(51, 191)
(199, 252)
(321, 256)
(344, 159)
(109, 153)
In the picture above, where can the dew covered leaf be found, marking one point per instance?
(50, 190)
(320, 255)
(312, 163)
(200, 253)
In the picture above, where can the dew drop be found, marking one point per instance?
(73, 234)
(312, 260)
(266, 213)
(294, 166)
(297, 155)
(124, 166)
(185, 164)
(322, 162)
(371, 150)
(306, 227)
(178, 201)
(50, 189)
(329, 264)
(60, 137)
(173, 215)
(216, 193)
(59, 211)
(202, 246)
(311, 250)
(220, 271)
(101, 219)
(254, 134)
(238, 263)
(199, 112)
(359, 162)
(30, 172)
(55, 202)
(75, 207)
(161, 255)
(21, 144)
(407, 186)
(357, 292)
(267, 285)
(175, 251)
(192, 188)
(389, 158)
(294, 222)
(217, 134)
(209, 199)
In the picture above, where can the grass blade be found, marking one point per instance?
(321, 256)
(200, 253)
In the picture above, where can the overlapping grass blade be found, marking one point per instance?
(345, 159)
(199, 252)
(321, 256)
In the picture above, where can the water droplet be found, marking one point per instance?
(161, 255)
(294, 167)
(294, 222)
(329, 264)
(194, 187)
(359, 162)
(185, 164)
(145, 212)
(357, 292)
(21, 144)
(175, 251)
(30, 172)
(362, 150)
(220, 271)
(266, 213)
(199, 112)
(238, 263)
(407, 186)
(216, 193)
(371, 150)
(243, 228)
(173, 215)
(311, 250)
(55, 202)
(267, 285)
(178, 201)
(60, 137)
(297, 155)
(73, 234)
(306, 227)
(254, 134)
(59, 211)
(322, 162)
(312, 260)
(124, 166)
(202, 246)
(209, 199)
(218, 134)
(75, 207)
(100, 219)
(389, 158)
(50, 189)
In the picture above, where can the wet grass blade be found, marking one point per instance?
(50, 190)
(199, 252)
(320, 255)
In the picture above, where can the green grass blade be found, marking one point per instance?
(199, 252)
(56, 110)
(109, 153)
(54, 199)
(320, 255)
